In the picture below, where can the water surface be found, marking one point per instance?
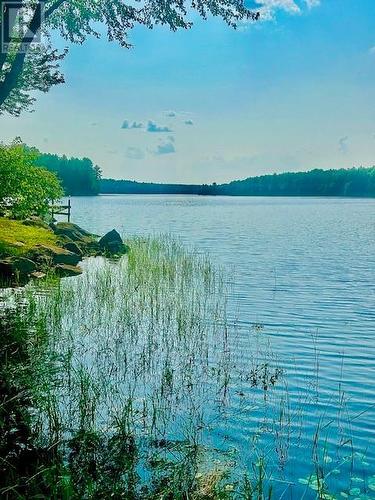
(303, 274)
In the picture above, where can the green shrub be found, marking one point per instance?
(24, 188)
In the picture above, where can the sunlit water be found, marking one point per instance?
(303, 280)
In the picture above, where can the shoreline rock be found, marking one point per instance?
(55, 255)
(17, 266)
(112, 243)
(74, 244)
(66, 271)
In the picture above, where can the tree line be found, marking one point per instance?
(352, 182)
(78, 176)
(112, 186)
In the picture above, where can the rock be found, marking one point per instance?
(18, 244)
(65, 271)
(73, 247)
(36, 222)
(92, 248)
(112, 243)
(38, 275)
(5, 269)
(57, 255)
(24, 265)
(14, 266)
(72, 231)
(64, 239)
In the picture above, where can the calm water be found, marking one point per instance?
(304, 276)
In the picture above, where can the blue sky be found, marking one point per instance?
(293, 92)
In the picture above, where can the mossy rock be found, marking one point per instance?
(74, 232)
(55, 255)
(112, 244)
(66, 271)
(72, 246)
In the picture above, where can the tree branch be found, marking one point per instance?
(11, 78)
(53, 7)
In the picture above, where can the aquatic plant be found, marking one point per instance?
(119, 366)
(119, 384)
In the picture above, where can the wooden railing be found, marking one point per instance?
(61, 210)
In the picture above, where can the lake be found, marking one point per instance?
(303, 292)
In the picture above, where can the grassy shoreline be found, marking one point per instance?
(19, 239)
(32, 249)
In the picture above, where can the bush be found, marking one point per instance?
(24, 188)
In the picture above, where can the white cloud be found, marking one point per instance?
(134, 125)
(343, 144)
(312, 3)
(372, 50)
(153, 127)
(166, 148)
(269, 7)
(134, 153)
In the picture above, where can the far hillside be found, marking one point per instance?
(354, 182)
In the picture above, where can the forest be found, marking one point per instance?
(78, 176)
(354, 182)
(113, 186)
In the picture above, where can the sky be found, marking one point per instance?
(292, 92)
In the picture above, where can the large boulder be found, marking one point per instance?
(56, 255)
(112, 243)
(73, 232)
(65, 271)
(71, 246)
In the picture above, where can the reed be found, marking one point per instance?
(117, 382)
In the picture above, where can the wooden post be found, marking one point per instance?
(69, 209)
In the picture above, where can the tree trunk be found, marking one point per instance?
(4, 5)
(12, 76)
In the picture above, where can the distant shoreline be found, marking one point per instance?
(344, 183)
(357, 197)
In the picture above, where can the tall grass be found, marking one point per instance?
(125, 367)
(116, 381)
